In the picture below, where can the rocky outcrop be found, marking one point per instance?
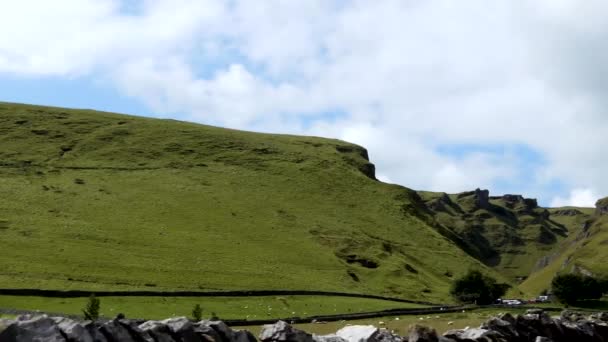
(481, 198)
(441, 203)
(517, 201)
(567, 212)
(533, 326)
(367, 168)
(601, 206)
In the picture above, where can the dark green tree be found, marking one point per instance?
(570, 288)
(197, 313)
(592, 288)
(475, 287)
(91, 310)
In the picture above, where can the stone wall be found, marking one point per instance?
(534, 326)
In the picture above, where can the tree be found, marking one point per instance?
(197, 313)
(570, 288)
(91, 310)
(475, 287)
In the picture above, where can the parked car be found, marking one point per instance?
(512, 302)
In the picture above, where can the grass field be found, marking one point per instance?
(224, 307)
(93, 201)
(401, 324)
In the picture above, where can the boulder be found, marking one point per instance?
(420, 333)
(367, 333)
(136, 333)
(159, 331)
(4, 323)
(358, 333)
(245, 336)
(383, 335)
(222, 330)
(601, 329)
(476, 334)
(328, 338)
(504, 327)
(116, 332)
(508, 318)
(574, 331)
(181, 329)
(601, 316)
(73, 330)
(26, 329)
(282, 331)
(93, 330)
(206, 332)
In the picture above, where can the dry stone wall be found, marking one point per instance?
(534, 326)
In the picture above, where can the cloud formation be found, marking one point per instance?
(402, 78)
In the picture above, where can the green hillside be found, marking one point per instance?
(512, 234)
(585, 251)
(92, 200)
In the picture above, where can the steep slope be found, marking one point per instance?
(509, 233)
(94, 200)
(585, 251)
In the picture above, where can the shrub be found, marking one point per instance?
(91, 310)
(197, 313)
(475, 287)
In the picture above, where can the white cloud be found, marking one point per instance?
(409, 76)
(577, 198)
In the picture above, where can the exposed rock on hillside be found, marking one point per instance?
(567, 212)
(349, 151)
(500, 231)
(601, 206)
(480, 199)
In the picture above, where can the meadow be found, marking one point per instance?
(251, 308)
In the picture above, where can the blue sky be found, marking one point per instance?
(446, 96)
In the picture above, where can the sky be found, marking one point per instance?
(448, 96)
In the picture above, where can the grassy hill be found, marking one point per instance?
(93, 200)
(513, 235)
(584, 251)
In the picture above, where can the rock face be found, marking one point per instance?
(534, 326)
(601, 206)
(481, 198)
